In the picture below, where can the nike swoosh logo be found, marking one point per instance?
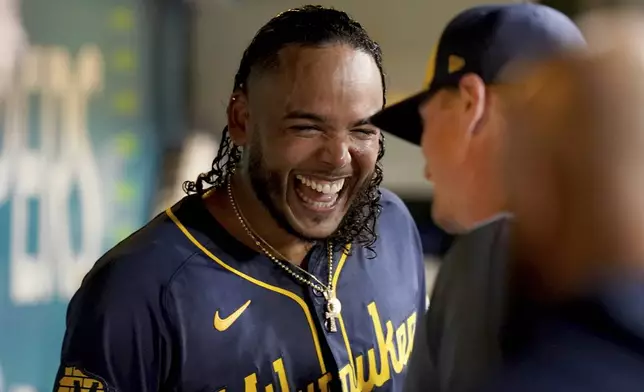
(223, 324)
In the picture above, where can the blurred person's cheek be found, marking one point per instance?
(12, 41)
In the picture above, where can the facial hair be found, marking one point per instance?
(268, 188)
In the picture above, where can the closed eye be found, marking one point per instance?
(366, 131)
(305, 129)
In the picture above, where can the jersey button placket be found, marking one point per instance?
(317, 269)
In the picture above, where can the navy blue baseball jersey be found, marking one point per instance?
(181, 305)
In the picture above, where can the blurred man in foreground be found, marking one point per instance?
(465, 111)
(576, 182)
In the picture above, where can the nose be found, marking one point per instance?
(336, 152)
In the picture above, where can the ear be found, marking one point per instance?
(472, 91)
(237, 113)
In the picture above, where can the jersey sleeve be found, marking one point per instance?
(118, 336)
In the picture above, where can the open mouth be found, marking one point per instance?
(318, 194)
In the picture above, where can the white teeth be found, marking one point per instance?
(316, 204)
(326, 187)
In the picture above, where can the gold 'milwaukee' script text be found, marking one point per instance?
(391, 354)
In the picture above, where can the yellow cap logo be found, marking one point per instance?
(455, 64)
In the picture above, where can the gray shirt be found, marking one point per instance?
(458, 344)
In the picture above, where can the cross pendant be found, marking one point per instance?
(333, 309)
(330, 323)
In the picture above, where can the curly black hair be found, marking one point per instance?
(307, 26)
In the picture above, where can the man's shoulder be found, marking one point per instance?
(395, 222)
(394, 209)
(390, 200)
(496, 226)
(151, 255)
(490, 235)
(477, 255)
(397, 230)
(468, 303)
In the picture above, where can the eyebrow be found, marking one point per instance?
(364, 121)
(302, 115)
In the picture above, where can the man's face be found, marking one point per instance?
(444, 146)
(309, 148)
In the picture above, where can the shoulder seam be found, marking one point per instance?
(180, 267)
(168, 284)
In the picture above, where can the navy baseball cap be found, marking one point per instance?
(482, 40)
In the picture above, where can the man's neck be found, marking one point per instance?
(257, 219)
(490, 198)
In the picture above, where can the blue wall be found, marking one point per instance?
(79, 153)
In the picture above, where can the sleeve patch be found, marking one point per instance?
(75, 380)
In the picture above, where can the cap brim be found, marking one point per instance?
(402, 119)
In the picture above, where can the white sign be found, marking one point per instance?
(40, 179)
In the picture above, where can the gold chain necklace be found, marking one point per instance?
(333, 304)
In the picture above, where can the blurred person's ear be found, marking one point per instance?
(13, 42)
